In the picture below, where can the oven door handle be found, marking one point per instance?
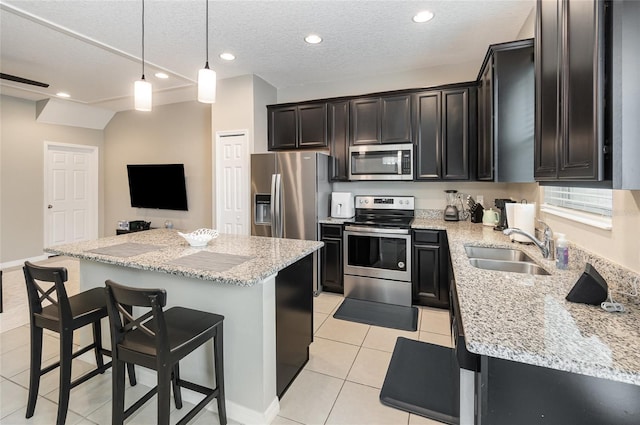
(376, 230)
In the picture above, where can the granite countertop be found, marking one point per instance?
(256, 258)
(525, 318)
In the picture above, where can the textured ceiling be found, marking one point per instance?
(92, 49)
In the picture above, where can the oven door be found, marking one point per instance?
(377, 252)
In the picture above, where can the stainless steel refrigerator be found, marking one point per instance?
(290, 193)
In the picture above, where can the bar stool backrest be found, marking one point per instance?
(123, 319)
(45, 285)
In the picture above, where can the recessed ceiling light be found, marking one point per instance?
(161, 75)
(313, 39)
(227, 56)
(423, 16)
(63, 94)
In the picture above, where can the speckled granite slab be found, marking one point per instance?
(526, 318)
(211, 261)
(266, 255)
(126, 249)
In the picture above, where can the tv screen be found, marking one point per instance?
(159, 186)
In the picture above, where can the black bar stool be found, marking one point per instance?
(64, 315)
(158, 340)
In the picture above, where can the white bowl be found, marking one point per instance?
(200, 237)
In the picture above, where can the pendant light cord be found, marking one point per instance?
(206, 65)
(142, 39)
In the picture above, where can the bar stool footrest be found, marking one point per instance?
(209, 393)
(135, 406)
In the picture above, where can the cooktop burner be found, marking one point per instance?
(384, 211)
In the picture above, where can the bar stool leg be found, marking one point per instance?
(131, 371)
(164, 394)
(97, 340)
(219, 369)
(66, 351)
(117, 392)
(175, 383)
(34, 372)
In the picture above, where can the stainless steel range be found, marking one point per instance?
(377, 250)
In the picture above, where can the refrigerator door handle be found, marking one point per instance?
(279, 206)
(273, 205)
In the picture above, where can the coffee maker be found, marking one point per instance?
(451, 212)
(501, 205)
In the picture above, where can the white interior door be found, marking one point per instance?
(71, 193)
(232, 161)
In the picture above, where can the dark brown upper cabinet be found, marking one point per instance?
(297, 126)
(506, 113)
(338, 112)
(571, 142)
(445, 123)
(376, 120)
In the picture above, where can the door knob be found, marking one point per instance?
(49, 206)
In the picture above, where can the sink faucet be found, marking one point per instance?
(546, 245)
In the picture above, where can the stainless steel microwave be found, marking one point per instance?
(381, 162)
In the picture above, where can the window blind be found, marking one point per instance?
(594, 201)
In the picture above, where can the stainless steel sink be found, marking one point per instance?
(490, 253)
(508, 266)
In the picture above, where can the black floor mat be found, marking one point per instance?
(378, 314)
(423, 379)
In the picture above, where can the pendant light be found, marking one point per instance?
(206, 76)
(142, 91)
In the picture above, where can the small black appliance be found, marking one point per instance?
(590, 288)
(501, 205)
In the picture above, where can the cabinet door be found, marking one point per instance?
(426, 275)
(455, 134)
(547, 45)
(339, 139)
(582, 135)
(365, 121)
(395, 126)
(283, 127)
(486, 124)
(312, 125)
(331, 265)
(428, 136)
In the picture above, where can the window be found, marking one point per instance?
(589, 206)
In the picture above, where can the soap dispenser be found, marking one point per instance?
(562, 252)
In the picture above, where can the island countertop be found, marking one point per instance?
(526, 318)
(246, 260)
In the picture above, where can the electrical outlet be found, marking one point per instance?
(480, 200)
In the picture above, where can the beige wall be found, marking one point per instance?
(241, 105)
(528, 28)
(176, 133)
(263, 94)
(429, 195)
(22, 175)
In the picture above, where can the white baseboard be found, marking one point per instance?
(16, 263)
(236, 412)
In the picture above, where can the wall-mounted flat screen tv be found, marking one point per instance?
(159, 186)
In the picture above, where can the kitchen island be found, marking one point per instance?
(258, 284)
(539, 352)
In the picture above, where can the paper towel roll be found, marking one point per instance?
(523, 217)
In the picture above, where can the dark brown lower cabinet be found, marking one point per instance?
(331, 267)
(430, 281)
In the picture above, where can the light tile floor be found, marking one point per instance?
(339, 385)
